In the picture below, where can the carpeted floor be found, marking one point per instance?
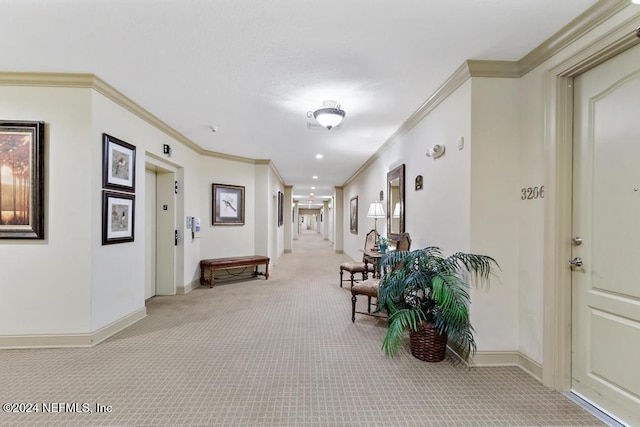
(280, 352)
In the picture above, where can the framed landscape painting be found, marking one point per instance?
(118, 164)
(21, 180)
(353, 215)
(118, 217)
(228, 204)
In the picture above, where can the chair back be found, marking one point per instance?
(404, 242)
(370, 241)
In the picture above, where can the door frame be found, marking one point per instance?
(556, 369)
(165, 249)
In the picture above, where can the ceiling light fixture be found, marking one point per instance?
(329, 115)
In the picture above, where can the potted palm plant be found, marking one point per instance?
(427, 293)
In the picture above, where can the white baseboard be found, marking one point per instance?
(508, 358)
(115, 327)
(45, 341)
(185, 289)
(71, 340)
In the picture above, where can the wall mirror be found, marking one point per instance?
(395, 202)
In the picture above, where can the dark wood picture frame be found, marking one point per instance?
(22, 196)
(118, 217)
(228, 204)
(280, 208)
(353, 215)
(395, 195)
(118, 164)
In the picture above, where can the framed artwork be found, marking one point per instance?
(280, 208)
(353, 215)
(228, 205)
(118, 217)
(118, 164)
(21, 180)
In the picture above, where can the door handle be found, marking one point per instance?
(576, 262)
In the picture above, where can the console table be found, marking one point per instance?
(232, 262)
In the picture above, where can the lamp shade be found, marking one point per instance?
(375, 210)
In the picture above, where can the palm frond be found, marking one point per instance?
(424, 285)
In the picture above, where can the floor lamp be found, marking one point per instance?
(375, 211)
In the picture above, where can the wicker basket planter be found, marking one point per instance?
(427, 345)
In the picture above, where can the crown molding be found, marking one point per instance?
(585, 22)
(578, 27)
(91, 81)
(502, 69)
(461, 75)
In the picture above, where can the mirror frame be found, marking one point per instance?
(393, 174)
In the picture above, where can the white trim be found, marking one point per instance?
(507, 358)
(185, 289)
(45, 341)
(71, 340)
(113, 328)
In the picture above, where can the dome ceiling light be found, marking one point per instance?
(329, 115)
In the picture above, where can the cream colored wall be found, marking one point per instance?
(226, 240)
(438, 215)
(469, 200)
(495, 203)
(268, 237)
(118, 270)
(69, 288)
(45, 284)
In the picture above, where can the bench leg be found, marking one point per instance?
(341, 271)
(211, 277)
(266, 271)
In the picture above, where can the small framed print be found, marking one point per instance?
(118, 217)
(228, 205)
(118, 164)
(280, 208)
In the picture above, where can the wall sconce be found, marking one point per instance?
(436, 151)
(166, 149)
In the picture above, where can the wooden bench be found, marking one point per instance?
(232, 262)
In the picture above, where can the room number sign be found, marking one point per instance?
(531, 193)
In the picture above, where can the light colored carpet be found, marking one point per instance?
(277, 352)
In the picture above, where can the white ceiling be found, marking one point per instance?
(254, 68)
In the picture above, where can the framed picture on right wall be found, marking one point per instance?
(353, 215)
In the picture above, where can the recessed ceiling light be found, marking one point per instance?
(311, 194)
(313, 188)
(319, 156)
(315, 176)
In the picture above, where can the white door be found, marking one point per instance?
(150, 234)
(606, 217)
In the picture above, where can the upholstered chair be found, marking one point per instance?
(360, 267)
(369, 287)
